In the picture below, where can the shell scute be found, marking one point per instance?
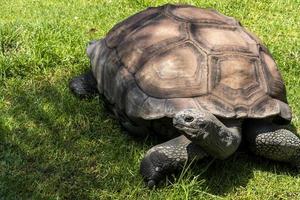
(168, 74)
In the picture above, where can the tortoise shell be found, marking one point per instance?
(175, 57)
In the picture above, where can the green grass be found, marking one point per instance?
(55, 146)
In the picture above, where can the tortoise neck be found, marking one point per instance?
(235, 125)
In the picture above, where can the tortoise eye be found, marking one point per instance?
(188, 118)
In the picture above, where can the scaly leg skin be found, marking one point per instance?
(168, 157)
(204, 129)
(273, 142)
(84, 86)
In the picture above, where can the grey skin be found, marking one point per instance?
(204, 135)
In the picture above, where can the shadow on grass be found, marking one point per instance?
(223, 177)
(43, 145)
(57, 145)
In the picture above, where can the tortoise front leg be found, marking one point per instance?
(168, 157)
(273, 142)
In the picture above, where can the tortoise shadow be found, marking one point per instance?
(224, 176)
(42, 144)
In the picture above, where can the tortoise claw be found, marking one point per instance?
(151, 183)
(154, 168)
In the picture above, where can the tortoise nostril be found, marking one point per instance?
(188, 118)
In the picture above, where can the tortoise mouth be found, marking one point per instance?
(184, 128)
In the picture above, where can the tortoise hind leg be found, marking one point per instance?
(84, 85)
(273, 142)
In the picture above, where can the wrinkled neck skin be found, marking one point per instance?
(234, 125)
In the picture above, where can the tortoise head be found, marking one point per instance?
(190, 120)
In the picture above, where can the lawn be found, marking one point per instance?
(55, 146)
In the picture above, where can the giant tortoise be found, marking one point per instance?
(195, 76)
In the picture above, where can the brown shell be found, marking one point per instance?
(169, 58)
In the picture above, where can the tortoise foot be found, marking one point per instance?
(168, 158)
(84, 85)
(155, 167)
